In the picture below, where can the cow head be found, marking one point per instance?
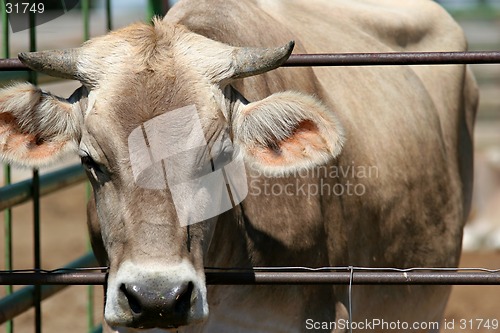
(145, 91)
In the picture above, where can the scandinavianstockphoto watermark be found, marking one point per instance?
(337, 180)
(19, 12)
(170, 151)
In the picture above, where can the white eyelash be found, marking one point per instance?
(91, 103)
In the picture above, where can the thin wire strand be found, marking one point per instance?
(57, 270)
(280, 268)
(356, 268)
(350, 297)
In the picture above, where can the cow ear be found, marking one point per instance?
(286, 132)
(36, 128)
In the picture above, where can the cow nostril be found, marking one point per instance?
(132, 299)
(150, 307)
(183, 299)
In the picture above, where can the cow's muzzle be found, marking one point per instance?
(155, 298)
(157, 308)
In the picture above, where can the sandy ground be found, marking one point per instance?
(475, 302)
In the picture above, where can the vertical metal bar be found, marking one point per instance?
(9, 328)
(37, 297)
(86, 21)
(90, 289)
(109, 23)
(155, 7)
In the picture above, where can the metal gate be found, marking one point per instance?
(44, 284)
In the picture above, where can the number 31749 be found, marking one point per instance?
(24, 7)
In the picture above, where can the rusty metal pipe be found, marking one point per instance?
(355, 59)
(390, 59)
(22, 300)
(13, 64)
(278, 278)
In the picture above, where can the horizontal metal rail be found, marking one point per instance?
(356, 59)
(17, 193)
(12, 64)
(278, 278)
(394, 58)
(22, 300)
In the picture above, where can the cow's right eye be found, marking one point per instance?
(89, 164)
(96, 170)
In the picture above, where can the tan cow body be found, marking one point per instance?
(361, 166)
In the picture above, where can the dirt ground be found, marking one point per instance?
(64, 239)
(475, 302)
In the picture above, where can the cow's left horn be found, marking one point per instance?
(59, 63)
(253, 61)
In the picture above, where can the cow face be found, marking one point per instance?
(155, 112)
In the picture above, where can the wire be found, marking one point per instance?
(355, 268)
(57, 270)
(351, 269)
(280, 268)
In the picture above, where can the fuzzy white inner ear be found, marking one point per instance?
(36, 128)
(286, 132)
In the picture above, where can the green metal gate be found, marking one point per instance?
(12, 194)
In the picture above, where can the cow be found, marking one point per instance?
(315, 167)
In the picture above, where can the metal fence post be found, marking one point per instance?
(109, 22)
(155, 7)
(7, 171)
(90, 289)
(36, 197)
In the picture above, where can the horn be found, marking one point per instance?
(59, 63)
(253, 61)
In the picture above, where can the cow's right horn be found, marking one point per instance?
(253, 61)
(59, 63)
